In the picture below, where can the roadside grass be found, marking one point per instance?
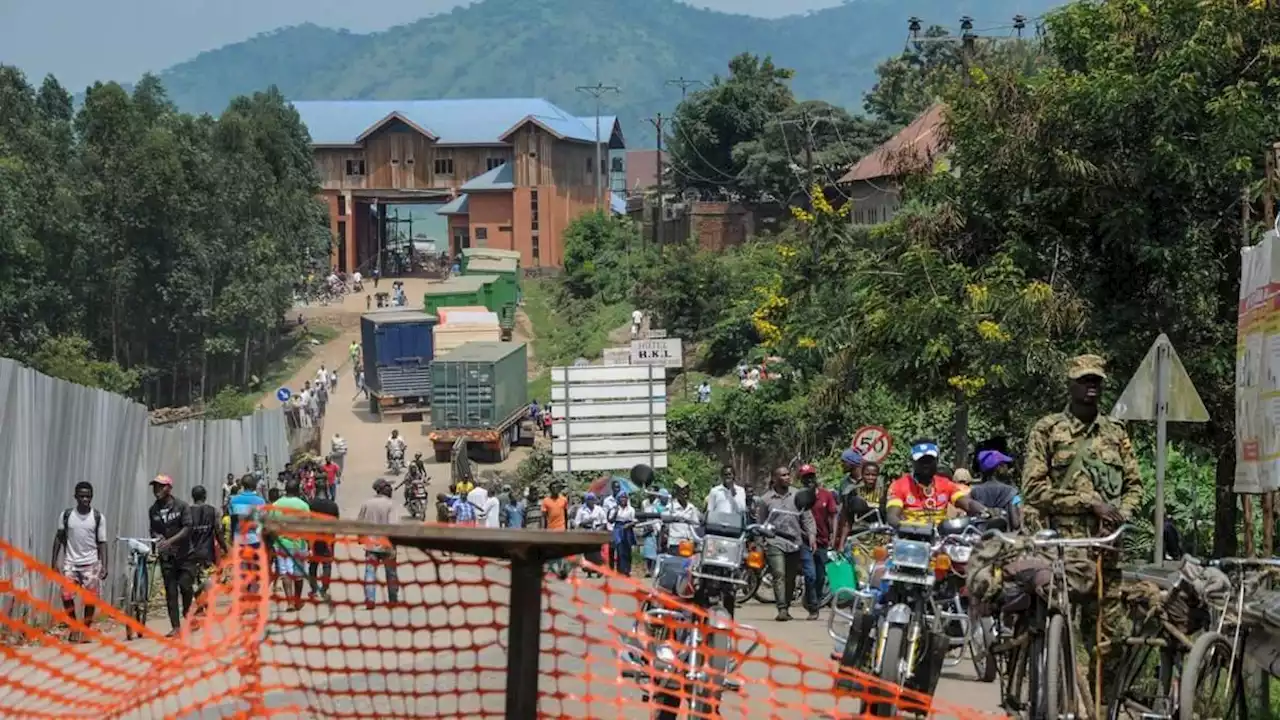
(293, 353)
(565, 329)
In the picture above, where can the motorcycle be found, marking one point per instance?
(896, 630)
(687, 655)
(951, 598)
(395, 461)
(415, 495)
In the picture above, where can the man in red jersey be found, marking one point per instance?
(923, 495)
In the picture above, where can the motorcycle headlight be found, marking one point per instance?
(911, 554)
(960, 553)
(722, 551)
(665, 654)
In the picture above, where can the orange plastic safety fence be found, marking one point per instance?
(409, 634)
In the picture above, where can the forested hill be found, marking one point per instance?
(547, 48)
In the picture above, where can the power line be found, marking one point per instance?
(659, 217)
(684, 85)
(597, 91)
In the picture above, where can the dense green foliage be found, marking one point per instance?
(546, 48)
(1090, 200)
(148, 251)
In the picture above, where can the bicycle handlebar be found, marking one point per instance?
(1091, 542)
(1243, 563)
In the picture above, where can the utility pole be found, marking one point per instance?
(658, 217)
(596, 91)
(684, 85)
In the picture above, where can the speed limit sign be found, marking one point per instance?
(873, 443)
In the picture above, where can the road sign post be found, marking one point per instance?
(1160, 390)
(873, 442)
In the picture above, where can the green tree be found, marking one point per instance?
(71, 358)
(1118, 171)
(908, 84)
(808, 142)
(598, 256)
(734, 109)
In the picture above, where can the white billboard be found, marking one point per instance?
(608, 417)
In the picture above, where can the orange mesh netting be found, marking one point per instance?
(439, 650)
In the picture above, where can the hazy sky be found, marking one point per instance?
(85, 40)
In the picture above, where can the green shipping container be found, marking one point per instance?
(506, 286)
(460, 292)
(479, 385)
(468, 254)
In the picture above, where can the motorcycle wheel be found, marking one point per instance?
(748, 591)
(890, 670)
(720, 647)
(665, 706)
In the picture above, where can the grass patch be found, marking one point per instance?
(295, 351)
(566, 328)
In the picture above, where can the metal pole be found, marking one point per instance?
(596, 91)
(1162, 422)
(649, 392)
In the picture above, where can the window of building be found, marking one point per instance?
(493, 162)
(504, 228)
(617, 165)
(461, 240)
(342, 206)
(533, 211)
(342, 245)
(408, 161)
(355, 167)
(536, 260)
(482, 234)
(604, 166)
(444, 166)
(591, 164)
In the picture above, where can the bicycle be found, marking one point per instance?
(1212, 648)
(1166, 610)
(138, 586)
(1036, 643)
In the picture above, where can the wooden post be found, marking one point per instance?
(1247, 501)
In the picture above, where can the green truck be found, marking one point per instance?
(480, 393)
(505, 289)
(469, 254)
(460, 291)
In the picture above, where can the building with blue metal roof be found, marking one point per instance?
(511, 172)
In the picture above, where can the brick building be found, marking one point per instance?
(512, 173)
(874, 182)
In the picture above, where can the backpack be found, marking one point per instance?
(97, 522)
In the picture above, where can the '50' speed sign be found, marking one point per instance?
(873, 443)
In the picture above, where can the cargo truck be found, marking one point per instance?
(505, 289)
(397, 355)
(460, 291)
(471, 253)
(480, 393)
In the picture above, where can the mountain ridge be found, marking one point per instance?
(547, 48)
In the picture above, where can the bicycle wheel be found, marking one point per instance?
(1208, 667)
(139, 597)
(1147, 684)
(981, 636)
(1059, 671)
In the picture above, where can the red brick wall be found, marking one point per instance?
(718, 225)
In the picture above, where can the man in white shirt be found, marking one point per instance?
(338, 451)
(395, 442)
(81, 538)
(728, 496)
(681, 507)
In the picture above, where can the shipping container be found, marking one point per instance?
(468, 254)
(506, 286)
(397, 351)
(456, 311)
(481, 385)
(460, 291)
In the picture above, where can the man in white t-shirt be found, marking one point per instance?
(637, 317)
(81, 539)
(728, 496)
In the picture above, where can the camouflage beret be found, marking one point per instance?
(1086, 365)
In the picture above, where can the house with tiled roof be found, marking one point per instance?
(873, 183)
(512, 172)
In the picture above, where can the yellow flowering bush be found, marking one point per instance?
(992, 332)
(771, 304)
(968, 385)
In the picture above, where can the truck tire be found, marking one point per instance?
(373, 409)
(504, 446)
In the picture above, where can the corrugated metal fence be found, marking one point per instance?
(54, 434)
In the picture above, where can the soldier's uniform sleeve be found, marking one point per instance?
(1131, 479)
(1038, 489)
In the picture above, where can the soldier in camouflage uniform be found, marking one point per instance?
(1081, 478)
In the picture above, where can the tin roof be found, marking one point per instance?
(457, 206)
(472, 121)
(493, 264)
(478, 252)
(920, 140)
(398, 316)
(499, 178)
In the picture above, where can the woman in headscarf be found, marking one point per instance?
(621, 519)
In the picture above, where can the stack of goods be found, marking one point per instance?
(461, 325)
